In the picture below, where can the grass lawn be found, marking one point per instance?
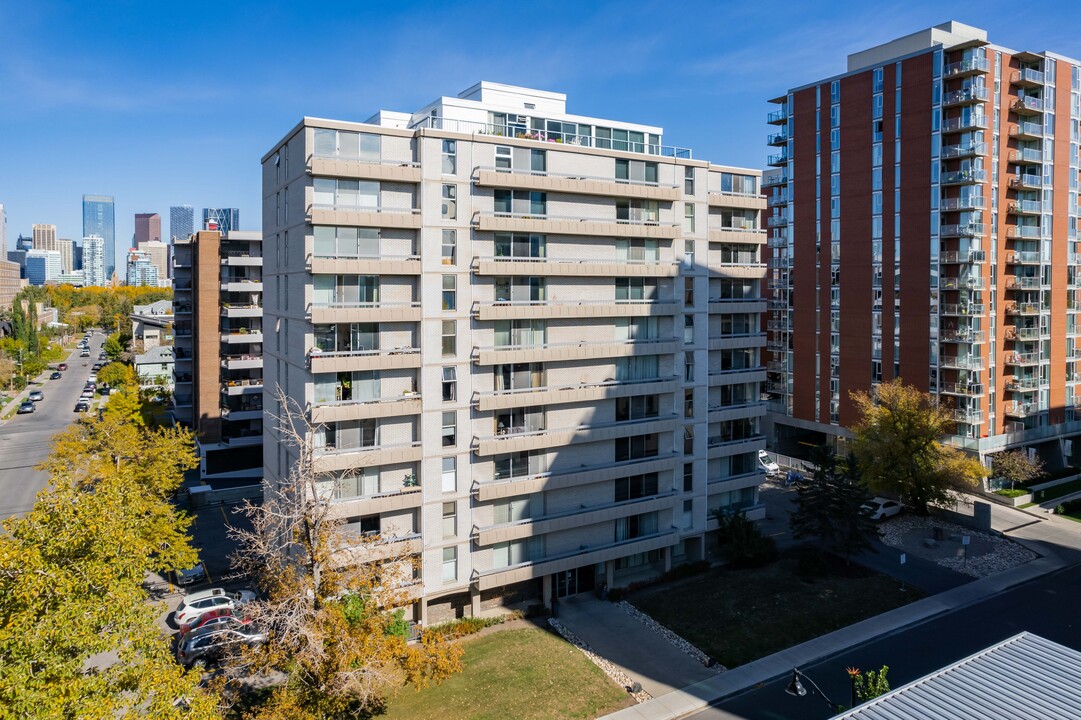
(741, 615)
(524, 673)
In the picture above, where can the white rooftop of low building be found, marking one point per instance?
(1026, 676)
(161, 307)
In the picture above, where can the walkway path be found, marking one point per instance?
(630, 645)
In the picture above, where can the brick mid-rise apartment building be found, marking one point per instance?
(923, 225)
(530, 340)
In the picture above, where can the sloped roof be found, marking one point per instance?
(1026, 676)
(156, 354)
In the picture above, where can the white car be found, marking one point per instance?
(197, 604)
(881, 508)
(770, 465)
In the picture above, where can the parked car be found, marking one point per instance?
(62, 367)
(192, 575)
(196, 604)
(881, 508)
(214, 619)
(96, 366)
(25, 407)
(767, 462)
(84, 353)
(207, 647)
(36, 396)
(82, 406)
(55, 376)
(93, 379)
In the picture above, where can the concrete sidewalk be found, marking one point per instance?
(632, 646)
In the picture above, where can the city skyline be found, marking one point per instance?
(160, 106)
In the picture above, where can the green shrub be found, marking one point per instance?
(686, 570)
(743, 544)
(1011, 492)
(455, 629)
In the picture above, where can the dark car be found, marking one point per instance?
(55, 376)
(62, 367)
(82, 406)
(192, 575)
(204, 647)
(26, 407)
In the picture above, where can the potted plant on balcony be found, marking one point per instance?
(410, 480)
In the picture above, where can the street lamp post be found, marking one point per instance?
(796, 688)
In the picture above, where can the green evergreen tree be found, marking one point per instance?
(828, 507)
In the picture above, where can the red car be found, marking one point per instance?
(62, 367)
(214, 618)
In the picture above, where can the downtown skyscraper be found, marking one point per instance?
(99, 219)
(227, 219)
(181, 222)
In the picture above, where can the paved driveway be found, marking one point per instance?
(629, 644)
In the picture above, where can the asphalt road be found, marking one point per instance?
(1046, 606)
(25, 440)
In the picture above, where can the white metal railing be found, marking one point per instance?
(496, 480)
(573, 303)
(359, 158)
(525, 430)
(375, 446)
(363, 208)
(522, 133)
(412, 395)
(577, 386)
(363, 305)
(573, 218)
(576, 176)
(597, 343)
(967, 203)
(363, 256)
(573, 261)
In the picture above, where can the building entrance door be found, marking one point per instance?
(578, 580)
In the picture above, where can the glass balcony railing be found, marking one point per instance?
(1027, 105)
(962, 177)
(1027, 76)
(967, 67)
(1026, 156)
(966, 95)
(975, 202)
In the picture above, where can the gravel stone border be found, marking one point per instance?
(999, 553)
(672, 637)
(617, 675)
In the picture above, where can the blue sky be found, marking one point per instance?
(161, 104)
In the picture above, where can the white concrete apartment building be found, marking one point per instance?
(531, 340)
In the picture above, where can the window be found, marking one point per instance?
(450, 385)
(688, 477)
(636, 526)
(637, 408)
(738, 184)
(345, 193)
(688, 292)
(688, 217)
(450, 475)
(688, 403)
(344, 144)
(450, 202)
(450, 520)
(520, 290)
(516, 552)
(688, 329)
(519, 376)
(636, 447)
(346, 242)
(688, 440)
(521, 202)
(688, 367)
(688, 180)
(637, 211)
(450, 157)
(450, 247)
(450, 429)
(450, 338)
(509, 245)
(520, 333)
(628, 289)
(519, 464)
(635, 249)
(636, 486)
(285, 201)
(450, 564)
(636, 171)
(517, 509)
(450, 293)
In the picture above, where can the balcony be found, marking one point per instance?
(390, 500)
(1021, 409)
(360, 265)
(572, 393)
(778, 160)
(961, 362)
(774, 221)
(961, 389)
(1023, 257)
(238, 258)
(962, 283)
(962, 230)
(249, 386)
(566, 225)
(350, 312)
(520, 439)
(774, 180)
(1023, 308)
(1027, 106)
(242, 414)
(963, 335)
(1022, 359)
(379, 548)
(242, 361)
(330, 459)
(743, 201)
(344, 410)
(734, 376)
(231, 310)
(592, 473)
(574, 351)
(333, 165)
(969, 417)
(972, 66)
(955, 257)
(539, 309)
(950, 152)
(1025, 207)
(777, 199)
(1023, 384)
(1023, 232)
(1026, 181)
(962, 124)
(486, 176)
(361, 360)
(1024, 283)
(966, 96)
(741, 234)
(1026, 77)
(381, 217)
(974, 202)
(777, 117)
(593, 267)
(1026, 131)
(735, 305)
(236, 338)
(963, 177)
(241, 285)
(777, 139)
(1026, 156)
(1023, 334)
(777, 387)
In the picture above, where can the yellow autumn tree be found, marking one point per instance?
(78, 632)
